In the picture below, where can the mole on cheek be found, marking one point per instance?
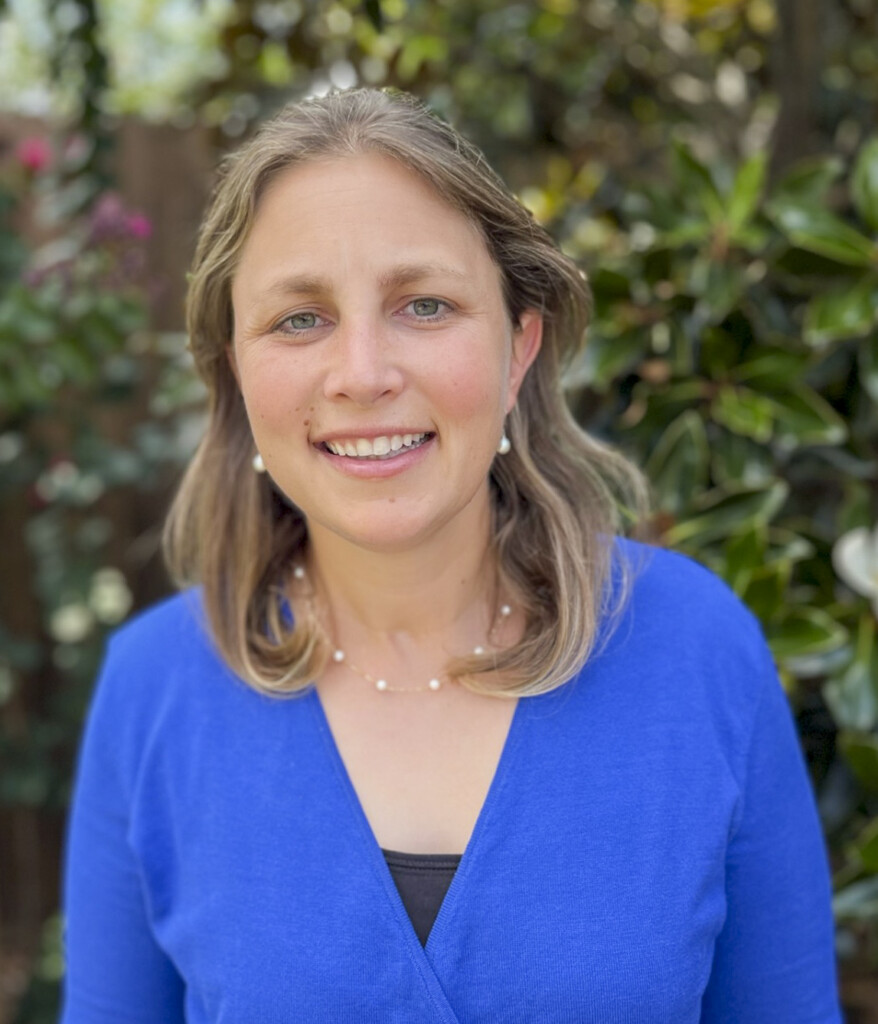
(306, 423)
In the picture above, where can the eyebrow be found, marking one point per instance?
(393, 277)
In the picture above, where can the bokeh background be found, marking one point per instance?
(713, 164)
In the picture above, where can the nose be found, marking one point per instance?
(363, 365)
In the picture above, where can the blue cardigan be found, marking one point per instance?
(648, 852)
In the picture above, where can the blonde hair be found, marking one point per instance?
(559, 496)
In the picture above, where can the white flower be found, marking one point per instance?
(110, 599)
(71, 623)
(855, 558)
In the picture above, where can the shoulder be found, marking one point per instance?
(166, 640)
(672, 592)
(686, 644)
(162, 657)
(176, 619)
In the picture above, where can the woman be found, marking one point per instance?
(532, 773)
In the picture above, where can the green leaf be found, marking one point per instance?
(864, 184)
(678, 465)
(719, 287)
(743, 552)
(606, 357)
(695, 181)
(746, 192)
(861, 752)
(868, 360)
(766, 588)
(804, 632)
(821, 232)
(736, 460)
(809, 180)
(775, 368)
(744, 412)
(857, 902)
(803, 417)
(721, 513)
(866, 845)
(668, 402)
(848, 312)
(853, 698)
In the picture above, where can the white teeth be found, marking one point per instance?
(363, 448)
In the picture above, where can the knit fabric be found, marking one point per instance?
(648, 851)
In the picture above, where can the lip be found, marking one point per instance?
(376, 469)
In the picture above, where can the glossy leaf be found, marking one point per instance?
(864, 184)
(866, 845)
(773, 369)
(858, 901)
(803, 417)
(861, 751)
(744, 412)
(810, 180)
(606, 357)
(666, 403)
(868, 359)
(821, 232)
(721, 513)
(746, 192)
(765, 589)
(737, 461)
(803, 632)
(678, 465)
(744, 552)
(853, 698)
(695, 181)
(848, 312)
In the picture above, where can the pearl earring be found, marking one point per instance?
(258, 464)
(505, 445)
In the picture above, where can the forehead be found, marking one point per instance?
(356, 211)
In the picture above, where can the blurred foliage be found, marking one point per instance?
(734, 354)
(734, 350)
(74, 354)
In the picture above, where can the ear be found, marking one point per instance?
(527, 337)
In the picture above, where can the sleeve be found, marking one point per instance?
(116, 973)
(774, 960)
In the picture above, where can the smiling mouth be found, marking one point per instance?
(376, 448)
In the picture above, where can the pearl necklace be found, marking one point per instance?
(380, 682)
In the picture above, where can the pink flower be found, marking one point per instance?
(33, 154)
(139, 226)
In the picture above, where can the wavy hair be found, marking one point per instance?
(559, 496)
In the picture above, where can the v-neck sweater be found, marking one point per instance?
(648, 851)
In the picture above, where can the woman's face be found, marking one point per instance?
(374, 351)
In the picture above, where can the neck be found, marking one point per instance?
(434, 589)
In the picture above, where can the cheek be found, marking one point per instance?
(474, 389)
(480, 372)
(273, 390)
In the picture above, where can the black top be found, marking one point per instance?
(422, 880)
